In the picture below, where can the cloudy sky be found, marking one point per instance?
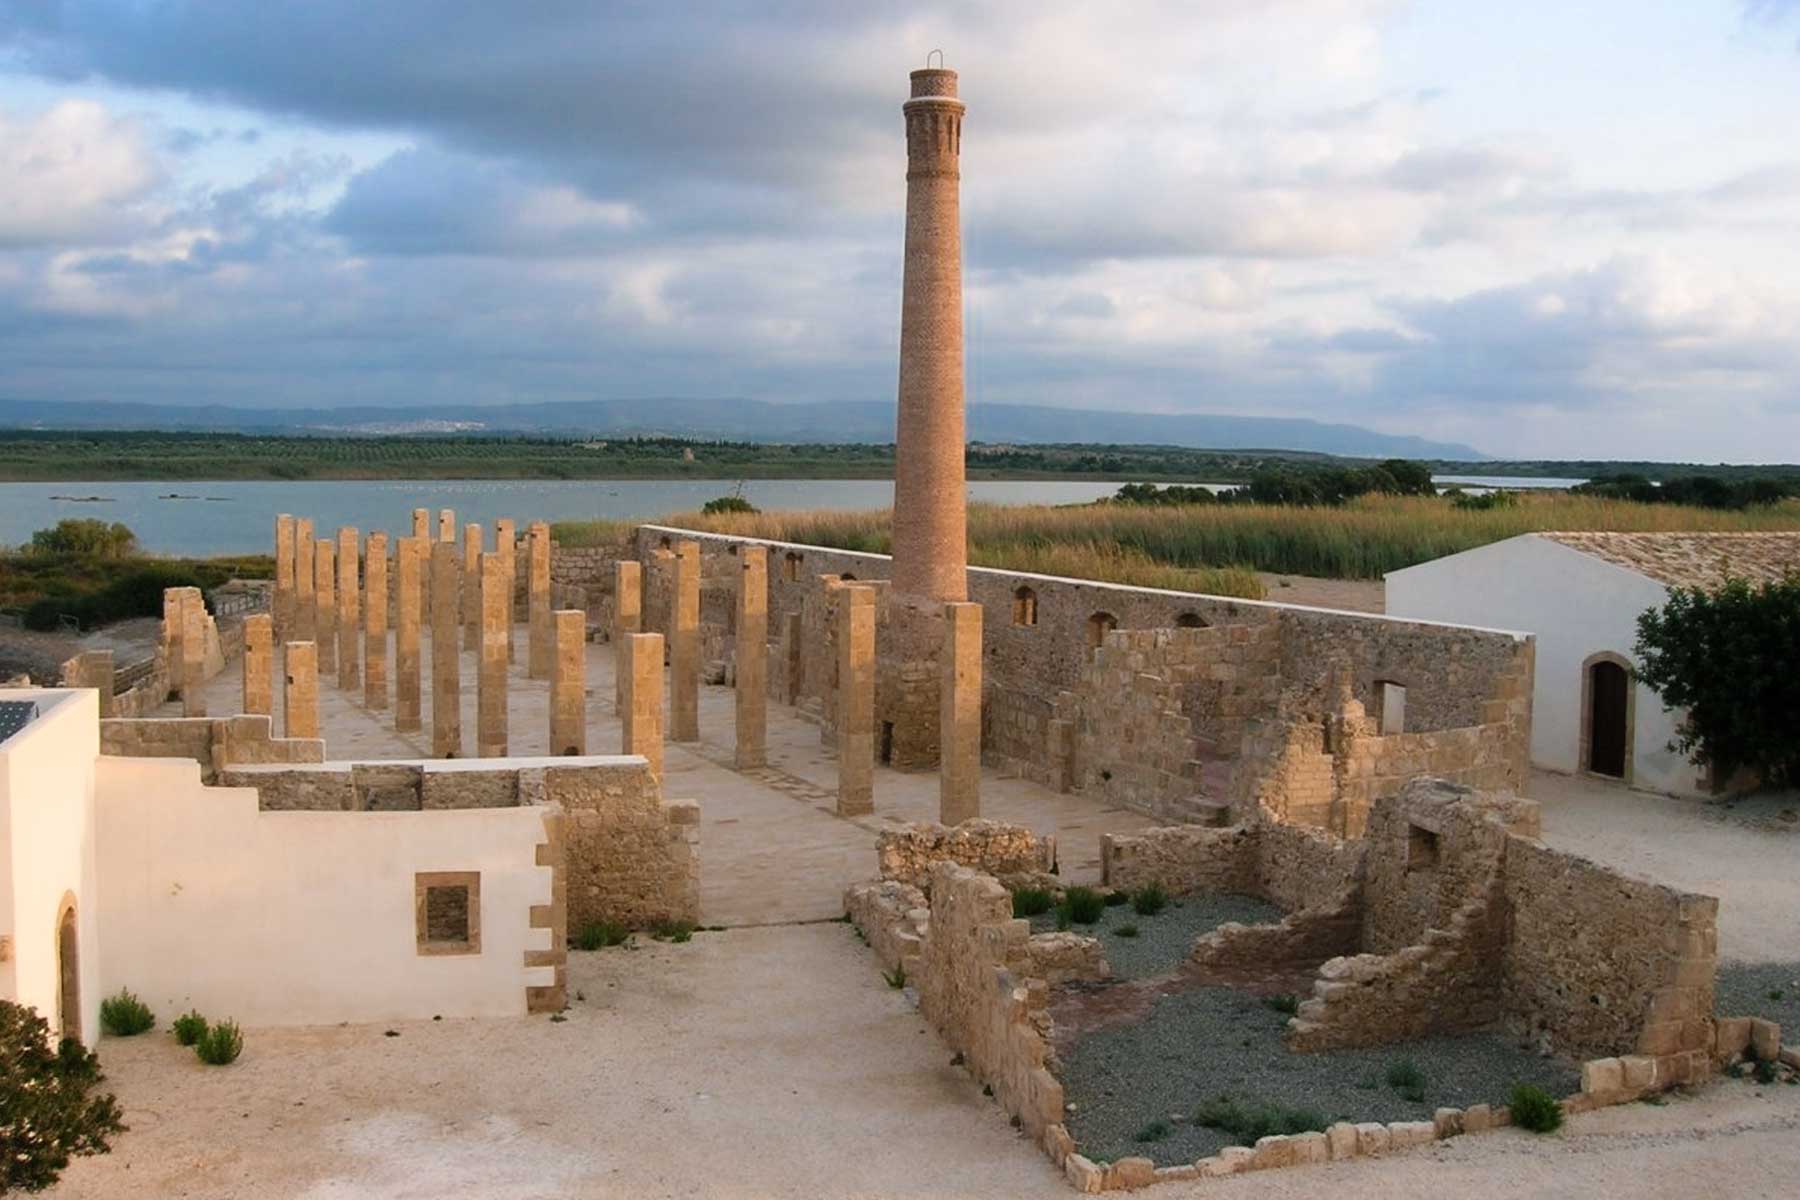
(1546, 229)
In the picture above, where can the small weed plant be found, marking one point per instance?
(1535, 1109)
(1149, 900)
(1246, 1122)
(124, 1015)
(896, 978)
(597, 935)
(1032, 902)
(1083, 905)
(1404, 1076)
(189, 1026)
(1126, 931)
(221, 1044)
(1287, 1003)
(1114, 899)
(1155, 1131)
(674, 931)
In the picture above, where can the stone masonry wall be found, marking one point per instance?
(910, 853)
(213, 742)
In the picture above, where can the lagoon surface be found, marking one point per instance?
(238, 517)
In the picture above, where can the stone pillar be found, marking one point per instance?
(193, 653)
(422, 524)
(93, 669)
(506, 542)
(304, 615)
(792, 631)
(628, 618)
(930, 521)
(856, 701)
(325, 604)
(641, 718)
(959, 726)
(446, 653)
(568, 683)
(447, 525)
(409, 572)
(684, 646)
(284, 572)
(471, 593)
(491, 724)
(752, 674)
(375, 622)
(349, 649)
(259, 665)
(539, 650)
(301, 695)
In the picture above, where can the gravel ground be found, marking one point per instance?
(1201, 1044)
(1746, 990)
(1164, 940)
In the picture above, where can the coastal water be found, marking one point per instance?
(238, 517)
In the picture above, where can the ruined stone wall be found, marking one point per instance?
(1598, 963)
(1181, 858)
(241, 597)
(975, 989)
(1285, 773)
(910, 853)
(1299, 868)
(1368, 768)
(213, 742)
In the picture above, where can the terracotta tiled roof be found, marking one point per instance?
(1702, 560)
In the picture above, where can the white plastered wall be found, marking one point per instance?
(1577, 606)
(46, 794)
(284, 918)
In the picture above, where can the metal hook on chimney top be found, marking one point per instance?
(940, 58)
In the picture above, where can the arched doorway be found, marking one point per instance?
(68, 972)
(1098, 626)
(1606, 716)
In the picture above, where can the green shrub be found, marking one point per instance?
(1764, 1071)
(1155, 1131)
(1082, 905)
(1285, 1003)
(1535, 1109)
(124, 1015)
(728, 504)
(220, 1045)
(1404, 1076)
(84, 536)
(1115, 898)
(1031, 902)
(1245, 1123)
(189, 1026)
(1149, 900)
(896, 978)
(47, 1113)
(1126, 931)
(597, 935)
(674, 931)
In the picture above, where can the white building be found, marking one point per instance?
(1581, 594)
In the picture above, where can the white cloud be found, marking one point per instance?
(74, 174)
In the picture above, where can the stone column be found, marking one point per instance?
(447, 525)
(684, 646)
(491, 723)
(930, 522)
(408, 605)
(284, 572)
(539, 650)
(422, 524)
(193, 653)
(628, 618)
(641, 718)
(446, 653)
(301, 695)
(506, 542)
(752, 674)
(959, 726)
(471, 593)
(375, 622)
(305, 617)
(568, 683)
(259, 665)
(792, 633)
(93, 669)
(325, 604)
(856, 701)
(349, 651)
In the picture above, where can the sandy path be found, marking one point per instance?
(1351, 595)
(760, 1063)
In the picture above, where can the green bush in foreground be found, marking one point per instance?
(124, 1015)
(1535, 1109)
(1083, 905)
(1245, 1123)
(189, 1026)
(597, 935)
(47, 1111)
(1149, 900)
(220, 1044)
(1404, 1076)
(1031, 902)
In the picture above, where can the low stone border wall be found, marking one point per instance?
(1008, 852)
(216, 743)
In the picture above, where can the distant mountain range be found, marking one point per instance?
(740, 420)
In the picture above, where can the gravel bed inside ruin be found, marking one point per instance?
(1767, 990)
(1163, 941)
(1209, 1042)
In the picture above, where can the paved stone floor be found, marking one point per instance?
(772, 848)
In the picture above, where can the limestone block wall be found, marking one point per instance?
(1181, 858)
(908, 854)
(212, 742)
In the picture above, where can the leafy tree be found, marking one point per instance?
(1727, 657)
(728, 504)
(84, 536)
(47, 1113)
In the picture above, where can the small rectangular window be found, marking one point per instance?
(447, 912)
